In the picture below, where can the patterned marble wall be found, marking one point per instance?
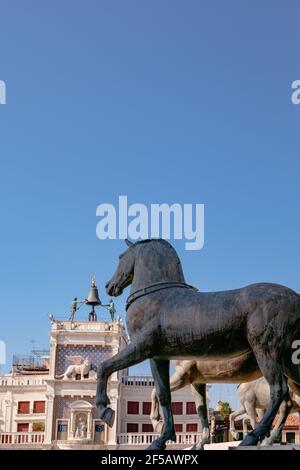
(96, 354)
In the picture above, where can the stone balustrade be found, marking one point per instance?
(146, 381)
(144, 439)
(102, 326)
(21, 381)
(9, 438)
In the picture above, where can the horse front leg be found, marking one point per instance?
(160, 372)
(232, 418)
(199, 393)
(251, 412)
(132, 354)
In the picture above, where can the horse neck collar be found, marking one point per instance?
(154, 288)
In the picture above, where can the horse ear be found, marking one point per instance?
(128, 242)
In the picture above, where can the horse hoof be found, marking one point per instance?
(249, 440)
(267, 442)
(156, 446)
(108, 416)
(198, 447)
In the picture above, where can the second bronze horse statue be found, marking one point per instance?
(167, 319)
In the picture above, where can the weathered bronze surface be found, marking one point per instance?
(176, 323)
(198, 373)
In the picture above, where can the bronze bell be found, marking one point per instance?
(93, 297)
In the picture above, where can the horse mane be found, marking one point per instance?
(161, 240)
(164, 242)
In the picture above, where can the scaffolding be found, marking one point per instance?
(33, 362)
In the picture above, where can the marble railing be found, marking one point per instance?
(8, 438)
(147, 438)
(19, 381)
(115, 327)
(138, 380)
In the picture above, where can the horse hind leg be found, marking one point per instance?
(284, 411)
(160, 371)
(199, 393)
(177, 381)
(273, 373)
(260, 413)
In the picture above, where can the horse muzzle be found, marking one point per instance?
(113, 290)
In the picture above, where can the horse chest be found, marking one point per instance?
(138, 320)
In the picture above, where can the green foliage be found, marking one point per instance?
(225, 409)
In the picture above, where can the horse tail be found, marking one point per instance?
(295, 387)
(291, 361)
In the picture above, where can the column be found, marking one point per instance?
(89, 423)
(53, 347)
(112, 432)
(49, 419)
(71, 430)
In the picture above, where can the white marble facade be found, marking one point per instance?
(68, 389)
(69, 418)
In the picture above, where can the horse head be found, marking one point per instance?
(151, 260)
(124, 272)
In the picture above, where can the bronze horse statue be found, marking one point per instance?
(255, 398)
(254, 395)
(197, 373)
(168, 319)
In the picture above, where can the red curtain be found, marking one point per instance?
(22, 427)
(178, 427)
(146, 408)
(132, 427)
(133, 407)
(147, 427)
(23, 407)
(190, 408)
(39, 406)
(177, 408)
(192, 427)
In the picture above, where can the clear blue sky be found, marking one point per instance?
(164, 101)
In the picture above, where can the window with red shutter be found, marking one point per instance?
(39, 406)
(146, 407)
(190, 408)
(22, 427)
(177, 408)
(23, 407)
(178, 427)
(192, 427)
(132, 427)
(147, 427)
(133, 407)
